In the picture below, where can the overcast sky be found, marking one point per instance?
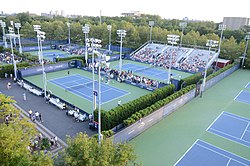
(213, 10)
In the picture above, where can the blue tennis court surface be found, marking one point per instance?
(243, 96)
(248, 85)
(147, 71)
(82, 86)
(205, 154)
(232, 127)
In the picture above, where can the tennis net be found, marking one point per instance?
(80, 86)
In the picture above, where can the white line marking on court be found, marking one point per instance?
(228, 161)
(186, 152)
(150, 119)
(214, 121)
(227, 152)
(247, 85)
(235, 117)
(238, 94)
(131, 132)
(245, 131)
(220, 153)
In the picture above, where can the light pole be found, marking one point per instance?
(18, 26)
(121, 33)
(68, 24)
(210, 44)
(36, 29)
(12, 35)
(85, 30)
(109, 27)
(172, 39)
(40, 39)
(151, 24)
(12, 24)
(3, 25)
(182, 25)
(222, 27)
(94, 44)
(102, 58)
(245, 52)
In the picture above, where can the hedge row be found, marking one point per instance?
(194, 78)
(116, 116)
(70, 58)
(246, 64)
(144, 112)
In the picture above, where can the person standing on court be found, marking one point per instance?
(68, 72)
(119, 102)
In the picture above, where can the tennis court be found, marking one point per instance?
(243, 96)
(149, 71)
(50, 54)
(232, 127)
(205, 154)
(82, 86)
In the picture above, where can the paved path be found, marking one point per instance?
(54, 119)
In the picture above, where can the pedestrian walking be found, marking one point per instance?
(11, 75)
(24, 97)
(6, 75)
(37, 115)
(30, 113)
(55, 140)
(33, 117)
(8, 85)
(40, 117)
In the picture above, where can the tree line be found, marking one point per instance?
(196, 33)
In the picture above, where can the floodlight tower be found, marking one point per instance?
(221, 28)
(245, 52)
(172, 39)
(12, 24)
(40, 39)
(3, 25)
(12, 35)
(182, 25)
(121, 33)
(210, 44)
(151, 24)
(109, 27)
(36, 29)
(18, 26)
(85, 30)
(94, 44)
(68, 24)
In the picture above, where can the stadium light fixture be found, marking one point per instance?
(12, 24)
(151, 24)
(3, 25)
(121, 33)
(68, 24)
(12, 35)
(36, 29)
(86, 30)
(209, 44)
(109, 27)
(182, 25)
(94, 44)
(40, 38)
(221, 28)
(247, 37)
(18, 26)
(172, 39)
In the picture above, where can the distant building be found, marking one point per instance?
(235, 23)
(132, 14)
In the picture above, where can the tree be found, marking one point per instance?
(84, 150)
(15, 138)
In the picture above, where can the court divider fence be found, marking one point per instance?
(143, 124)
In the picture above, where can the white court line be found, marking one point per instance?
(228, 161)
(186, 152)
(221, 154)
(62, 77)
(235, 117)
(229, 136)
(225, 151)
(247, 84)
(214, 120)
(238, 94)
(245, 131)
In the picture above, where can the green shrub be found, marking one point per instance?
(45, 144)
